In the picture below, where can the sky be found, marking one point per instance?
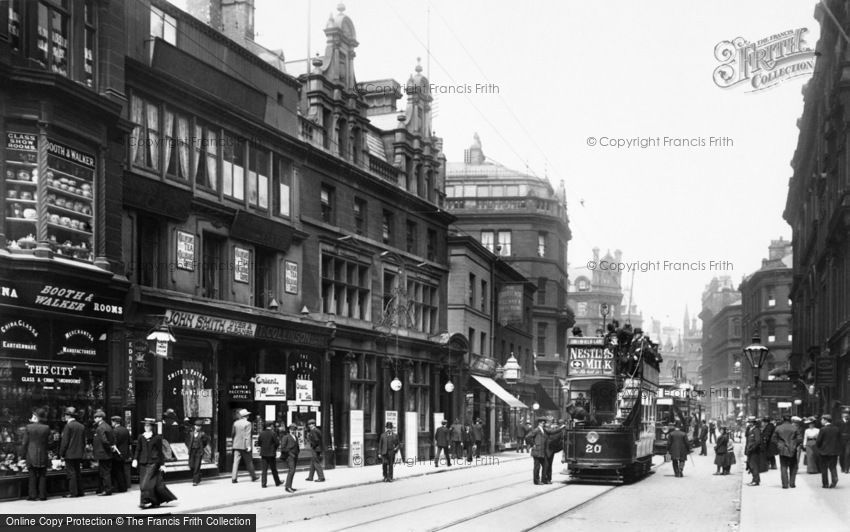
(553, 73)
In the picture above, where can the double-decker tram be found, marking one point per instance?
(675, 407)
(612, 389)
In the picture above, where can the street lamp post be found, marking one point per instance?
(756, 355)
(512, 372)
(603, 310)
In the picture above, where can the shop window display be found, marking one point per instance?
(22, 391)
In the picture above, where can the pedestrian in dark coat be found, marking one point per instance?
(787, 440)
(457, 439)
(538, 451)
(520, 434)
(314, 439)
(442, 439)
(678, 449)
(703, 437)
(289, 453)
(150, 460)
(769, 448)
(753, 450)
(712, 434)
(268, 442)
(121, 458)
(103, 450)
(72, 449)
(829, 447)
(723, 457)
(478, 436)
(554, 445)
(468, 440)
(36, 439)
(197, 444)
(387, 447)
(844, 428)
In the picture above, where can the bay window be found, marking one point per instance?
(205, 156)
(283, 178)
(52, 41)
(145, 140)
(176, 130)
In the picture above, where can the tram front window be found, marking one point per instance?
(603, 401)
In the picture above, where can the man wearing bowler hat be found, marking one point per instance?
(387, 447)
(753, 450)
(828, 445)
(36, 440)
(289, 453)
(844, 428)
(121, 459)
(442, 439)
(241, 435)
(72, 450)
(103, 450)
(197, 443)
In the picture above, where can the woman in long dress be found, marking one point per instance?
(809, 439)
(721, 450)
(150, 459)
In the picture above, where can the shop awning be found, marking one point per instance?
(500, 392)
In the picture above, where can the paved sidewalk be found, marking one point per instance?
(219, 492)
(806, 507)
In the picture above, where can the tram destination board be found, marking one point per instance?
(588, 356)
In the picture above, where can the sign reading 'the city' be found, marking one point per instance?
(588, 356)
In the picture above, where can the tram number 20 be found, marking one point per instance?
(592, 449)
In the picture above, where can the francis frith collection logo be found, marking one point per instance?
(765, 63)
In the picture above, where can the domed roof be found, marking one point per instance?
(342, 22)
(418, 83)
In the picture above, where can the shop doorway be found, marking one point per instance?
(145, 406)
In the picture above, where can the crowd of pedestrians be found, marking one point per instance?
(824, 446)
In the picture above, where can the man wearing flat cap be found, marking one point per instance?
(241, 435)
(103, 447)
(753, 450)
(829, 447)
(197, 443)
(121, 459)
(316, 441)
(289, 453)
(72, 449)
(387, 447)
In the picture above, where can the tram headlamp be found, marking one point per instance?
(592, 437)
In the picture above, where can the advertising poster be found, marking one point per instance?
(411, 435)
(355, 455)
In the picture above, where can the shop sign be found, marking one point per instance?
(138, 349)
(303, 390)
(270, 387)
(291, 277)
(777, 389)
(590, 360)
(18, 335)
(21, 141)
(241, 265)
(71, 155)
(50, 376)
(510, 304)
(411, 435)
(79, 342)
(391, 416)
(294, 336)
(825, 374)
(62, 297)
(199, 322)
(185, 251)
(240, 392)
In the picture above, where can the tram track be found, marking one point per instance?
(381, 502)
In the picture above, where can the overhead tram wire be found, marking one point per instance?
(487, 79)
(453, 80)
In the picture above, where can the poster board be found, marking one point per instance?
(355, 455)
